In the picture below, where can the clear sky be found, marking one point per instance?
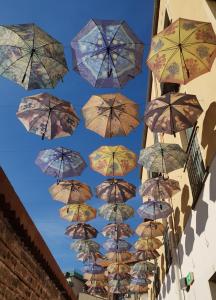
(18, 149)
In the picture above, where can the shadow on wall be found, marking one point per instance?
(212, 174)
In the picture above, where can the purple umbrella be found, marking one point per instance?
(120, 245)
(153, 210)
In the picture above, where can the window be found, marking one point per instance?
(167, 248)
(167, 87)
(212, 285)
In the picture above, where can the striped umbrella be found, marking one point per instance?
(150, 229)
(77, 212)
(116, 212)
(153, 210)
(116, 231)
(81, 231)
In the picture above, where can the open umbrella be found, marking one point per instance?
(118, 288)
(95, 283)
(85, 246)
(98, 277)
(142, 268)
(155, 209)
(140, 281)
(48, 116)
(97, 291)
(183, 51)
(146, 255)
(60, 162)
(31, 57)
(118, 268)
(119, 256)
(77, 212)
(93, 269)
(110, 115)
(119, 245)
(162, 157)
(90, 256)
(116, 231)
(113, 160)
(107, 53)
(150, 229)
(172, 112)
(115, 190)
(81, 231)
(119, 276)
(116, 212)
(139, 289)
(70, 191)
(147, 244)
(119, 283)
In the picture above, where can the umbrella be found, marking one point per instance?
(119, 256)
(48, 116)
(142, 268)
(98, 291)
(140, 281)
(119, 289)
(118, 283)
(183, 51)
(148, 244)
(150, 229)
(162, 157)
(98, 277)
(115, 190)
(90, 256)
(85, 246)
(81, 231)
(155, 209)
(116, 212)
(159, 188)
(115, 268)
(172, 112)
(116, 231)
(93, 269)
(60, 162)
(119, 276)
(95, 283)
(107, 53)
(31, 57)
(119, 245)
(146, 255)
(110, 115)
(77, 212)
(70, 192)
(139, 289)
(113, 160)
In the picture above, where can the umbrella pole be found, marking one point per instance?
(44, 133)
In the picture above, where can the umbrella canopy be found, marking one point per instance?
(146, 255)
(172, 112)
(31, 57)
(150, 229)
(77, 212)
(116, 212)
(118, 268)
(148, 244)
(155, 209)
(48, 116)
(70, 192)
(139, 289)
(140, 281)
(85, 246)
(97, 291)
(162, 157)
(95, 283)
(115, 190)
(93, 269)
(121, 289)
(183, 51)
(81, 231)
(90, 256)
(119, 276)
(159, 188)
(119, 245)
(142, 268)
(116, 231)
(111, 115)
(119, 256)
(113, 160)
(60, 162)
(98, 277)
(107, 53)
(118, 283)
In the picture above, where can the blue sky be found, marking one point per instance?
(18, 149)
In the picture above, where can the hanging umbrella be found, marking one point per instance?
(60, 162)
(155, 209)
(140, 281)
(31, 57)
(81, 231)
(148, 244)
(48, 116)
(150, 229)
(107, 53)
(116, 212)
(97, 291)
(90, 256)
(95, 283)
(90, 276)
(119, 276)
(111, 115)
(162, 157)
(118, 268)
(78, 212)
(139, 289)
(172, 112)
(115, 190)
(119, 283)
(119, 256)
(119, 245)
(112, 160)
(159, 188)
(116, 231)
(70, 192)
(146, 255)
(85, 246)
(93, 269)
(118, 288)
(142, 268)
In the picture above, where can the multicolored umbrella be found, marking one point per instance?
(118, 283)
(116, 212)
(48, 116)
(107, 53)
(118, 268)
(119, 256)
(142, 268)
(146, 255)
(97, 291)
(60, 162)
(140, 281)
(148, 244)
(119, 276)
(155, 209)
(77, 212)
(172, 112)
(93, 268)
(139, 289)
(119, 245)
(81, 231)
(159, 188)
(162, 157)
(98, 277)
(113, 160)
(70, 192)
(89, 256)
(85, 246)
(31, 57)
(183, 51)
(150, 229)
(95, 283)
(116, 231)
(115, 190)
(118, 288)
(111, 115)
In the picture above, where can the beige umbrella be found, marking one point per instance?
(150, 229)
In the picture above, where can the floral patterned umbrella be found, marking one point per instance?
(116, 212)
(140, 281)
(119, 245)
(98, 277)
(139, 289)
(119, 276)
(113, 160)
(60, 162)
(31, 57)
(48, 116)
(85, 246)
(115, 190)
(90, 256)
(159, 188)
(77, 212)
(150, 229)
(142, 269)
(93, 269)
(119, 283)
(111, 115)
(155, 209)
(107, 53)
(148, 244)
(70, 192)
(97, 291)
(146, 255)
(183, 51)
(172, 112)
(118, 268)
(162, 157)
(118, 288)
(81, 231)
(119, 256)
(95, 283)
(116, 231)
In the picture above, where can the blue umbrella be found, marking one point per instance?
(153, 210)
(120, 245)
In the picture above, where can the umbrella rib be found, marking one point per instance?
(8, 67)
(196, 58)
(186, 38)
(171, 56)
(36, 55)
(24, 41)
(122, 22)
